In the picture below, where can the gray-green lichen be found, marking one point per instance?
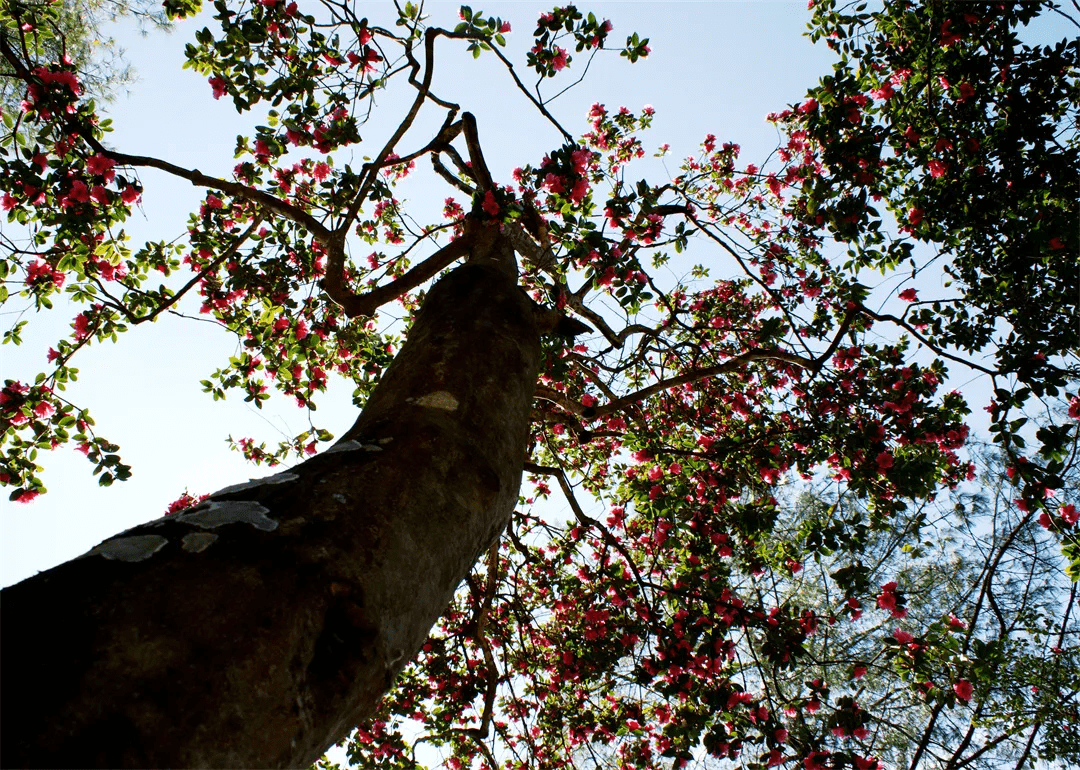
(196, 542)
(220, 512)
(133, 548)
(279, 478)
(440, 399)
(344, 446)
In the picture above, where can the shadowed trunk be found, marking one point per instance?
(258, 628)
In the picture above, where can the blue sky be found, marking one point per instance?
(716, 67)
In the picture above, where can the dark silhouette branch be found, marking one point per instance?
(608, 538)
(202, 274)
(355, 305)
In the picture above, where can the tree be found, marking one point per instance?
(975, 556)
(680, 403)
(73, 31)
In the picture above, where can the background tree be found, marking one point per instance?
(74, 30)
(661, 629)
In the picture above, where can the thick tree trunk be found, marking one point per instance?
(258, 628)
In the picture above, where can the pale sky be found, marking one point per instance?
(716, 67)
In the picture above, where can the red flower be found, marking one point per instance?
(490, 205)
(99, 165)
(963, 690)
(218, 84)
(937, 168)
(948, 37)
(560, 60)
(903, 637)
(82, 326)
(909, 295)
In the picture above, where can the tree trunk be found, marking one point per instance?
(258, 628)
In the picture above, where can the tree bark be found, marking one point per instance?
(258, 628)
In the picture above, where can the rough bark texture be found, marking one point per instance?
(256, 629)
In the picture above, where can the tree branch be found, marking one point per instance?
(354, 305)
(700, 374)
(212, 267)
(608, 538)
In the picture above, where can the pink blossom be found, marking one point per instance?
(553, 183)
(79, 192)
(82, 326)
(218, 86)
(560, 60)
(948, 37)
(581, 189)
(884, 92)
(963, 690)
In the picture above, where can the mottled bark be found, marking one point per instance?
(256, 629)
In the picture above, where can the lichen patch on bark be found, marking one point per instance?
(278, 478)
(344, 446)
(218, 513)
(134, 548)
(440, 399)
(196, 542)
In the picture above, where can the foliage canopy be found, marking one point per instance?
(708, 610)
